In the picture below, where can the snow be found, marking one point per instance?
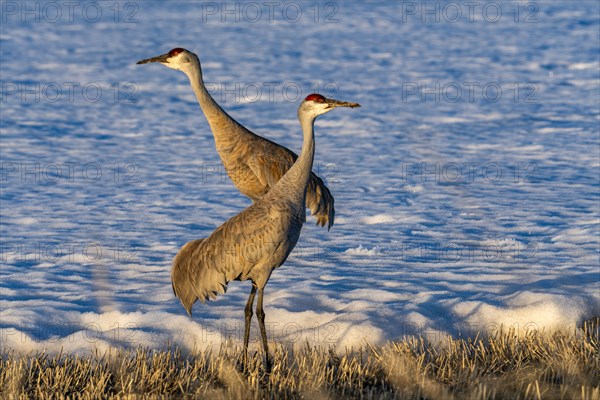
(459, 210)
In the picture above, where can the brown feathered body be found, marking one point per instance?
(248, 246)
(253, 163)
(253, 243)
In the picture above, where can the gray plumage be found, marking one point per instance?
(253, 163)
(259, 239)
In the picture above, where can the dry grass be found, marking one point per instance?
(537, 366)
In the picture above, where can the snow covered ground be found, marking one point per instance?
(467, 185)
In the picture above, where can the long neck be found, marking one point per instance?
(225, 129)
(296, 178)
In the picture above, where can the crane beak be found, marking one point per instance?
(161, 59)
(332, 103)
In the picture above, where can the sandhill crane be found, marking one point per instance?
(259, 239)
(253, 163)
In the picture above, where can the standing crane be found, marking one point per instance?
(253, 163)
(259, 239)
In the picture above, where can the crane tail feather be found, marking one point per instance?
(198, 273)
(180, 276)
(320, 201)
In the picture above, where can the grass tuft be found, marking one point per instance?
(505, 366)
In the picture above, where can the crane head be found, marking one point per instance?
(315, 105)
(178, 58)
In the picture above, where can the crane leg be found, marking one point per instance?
(248, 315)
(260, 314)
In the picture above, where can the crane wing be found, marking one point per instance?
(247, 246)
(269, 170)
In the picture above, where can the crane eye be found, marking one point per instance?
(175, 51)
(315, 97)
